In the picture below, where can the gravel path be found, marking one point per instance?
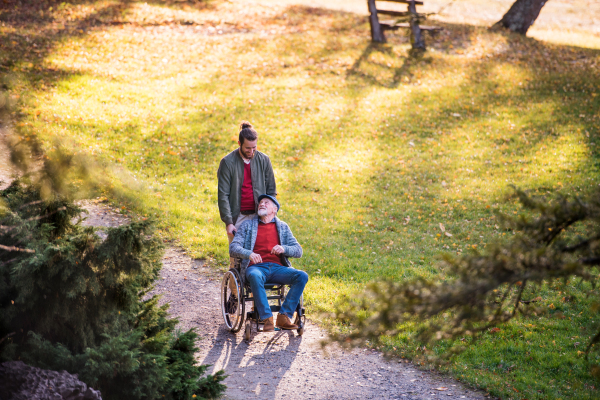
(281, 364)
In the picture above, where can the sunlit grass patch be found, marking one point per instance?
(382, 159)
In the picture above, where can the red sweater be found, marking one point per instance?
(247, 200)
(266, 238)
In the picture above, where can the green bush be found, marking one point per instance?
(70, 300)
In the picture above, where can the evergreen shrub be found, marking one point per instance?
(70, 300)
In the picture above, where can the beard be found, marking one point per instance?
(248, 155)
(262, 212)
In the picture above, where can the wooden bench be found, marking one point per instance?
(378, 27)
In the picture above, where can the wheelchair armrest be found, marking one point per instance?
(237, 263)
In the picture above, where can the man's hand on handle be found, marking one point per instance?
(231, 229)
(277, 250)
(255, 258)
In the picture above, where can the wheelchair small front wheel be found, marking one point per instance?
(232, 301)
(247, 332)
(300, 331)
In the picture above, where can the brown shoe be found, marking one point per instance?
(269, 327)
(283, 322)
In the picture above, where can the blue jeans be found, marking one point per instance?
(270, 273)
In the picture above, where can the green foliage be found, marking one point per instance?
(74, 301)
(555, 240)
(184, 374)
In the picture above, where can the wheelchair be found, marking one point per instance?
(233, 302)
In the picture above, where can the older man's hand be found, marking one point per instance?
(277, 250)
(255, 258)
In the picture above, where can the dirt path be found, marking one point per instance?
(281, 364)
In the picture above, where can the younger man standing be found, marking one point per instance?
(244, 174)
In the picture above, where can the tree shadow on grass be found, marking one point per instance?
(378, 72)
(26, 48)
(40, 25)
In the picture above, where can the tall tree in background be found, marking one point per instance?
(521, 16)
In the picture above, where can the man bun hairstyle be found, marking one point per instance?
(247, 132)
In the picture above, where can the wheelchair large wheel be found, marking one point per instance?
(300, 320)
(232, 301)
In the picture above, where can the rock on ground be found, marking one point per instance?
(19, 381)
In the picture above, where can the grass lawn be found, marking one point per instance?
(374, 150)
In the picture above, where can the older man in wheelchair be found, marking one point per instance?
(262, 246)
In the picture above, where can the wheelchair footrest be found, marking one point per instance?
(276, 329)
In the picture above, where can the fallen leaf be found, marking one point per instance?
(441, 388)
(442, 228)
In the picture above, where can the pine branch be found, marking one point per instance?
(13, 248)
(591, 261)
(8, 229)
(7, 336)
(522, 288)
(470, 296)
(571, 249)
(592, 342)
(8, 261)
(31, 203)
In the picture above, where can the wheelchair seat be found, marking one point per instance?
(272, 286)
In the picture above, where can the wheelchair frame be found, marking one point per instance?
(233, 305)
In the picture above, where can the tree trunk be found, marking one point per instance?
(521, 15)
(416, 38)
(376, 31)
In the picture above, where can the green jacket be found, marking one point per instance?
(231, 176)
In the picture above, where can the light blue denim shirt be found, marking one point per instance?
(243, 242)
